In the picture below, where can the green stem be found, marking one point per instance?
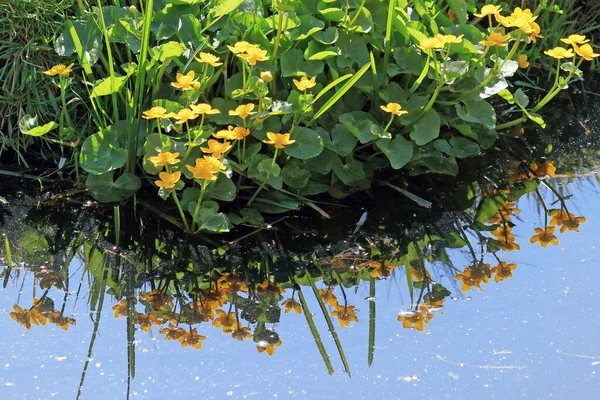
(178, 204)
(358, 11)
(198, 203)
(264, 182)
(556, 88)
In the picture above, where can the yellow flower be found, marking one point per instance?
(172, 332)
(60, 321)
(184, 115)
(474, 276)
(566, 221)
(242, 47)
(575, 40)
(291, 304)
(416, 319)
(381, 269)
(345, 315)
(544, 236)
(185, 82)
(521, 19)
(204, 109)
(266, 76)
(394, 108)
(232, 283)
(216, 148)
(120, 308)
(328, 297)
(269, 288)
(586, 52)
(21, 316)
(305, 83)
(206, 168)
(225, 321)
(547, 168)
(243, 111)
(560, 53)
(156, 299)
(241, 333)
(451, 15)
(155, 112)
(269, 348)
(431, 43)
(192, 338)
(488, 10)
(254, 55)
(280, 140)
(164, 158)
(59, 69)
(535, 34)
(418, 274)
(231, 133)
(450, 39)
(207, 58)
(495, 39)
(522, 60)
(168, 180)
(503, 271)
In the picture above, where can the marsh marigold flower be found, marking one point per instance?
(216, 148)
(566, 221)
(450, 39)
(535, 32)
(345, 315)
(328, 297)
(206, 168)
(520, 18)
(59, 69)
(254, 55)
(575, 40)
(544, 236)
(305, 83)
(269, 348)
(242, 47)
(231, 133)
(168, 180)
(210, 59)
(381, 268)
(243, 111)
(495, 39)
(280, 140)
(184, 115)
(241, 333)
(155, 112)
(503, 271)
(416, 319)
(560, 53)
(474, 276)
(488, 10)
(522, 61)
(291, 304)
(394, 108)
(431, 43)
(204, 109)
(185, 82)
(586, 52)
(164, 158)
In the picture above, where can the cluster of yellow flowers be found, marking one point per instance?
(37, 315)
(439, 41)
(566, 220)
(579, 44)
(344, 313)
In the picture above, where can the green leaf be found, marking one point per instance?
(362, 125)
(308, 144)
(28, 125)
(83, 37)
(460, 10)
(398, 150)
(462, 147)
(477, 111)
(224, 7)
(293, 64)
(488, 207)
(212, 221)
(104, 87)
(520, 189)
(223, 189)
(342, 141)
(99, 154)
(167, 50)
(295, 176)
(103, 189)
(268, 167)
(427, 129)
(350, 172)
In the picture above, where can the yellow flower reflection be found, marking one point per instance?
(381, 268)
(566, 221)
(192, 338)
(328, 297)
(241, 332)
(21, 316)
(503, 271)
(269, 348)
(474, 276)
(224, 320)
(416, 319)
(345, 315)
(545, 237)
(291, 304)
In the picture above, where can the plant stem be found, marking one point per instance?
(264, 182)
(198, 203)
(178, 204)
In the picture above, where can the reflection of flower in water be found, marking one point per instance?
(215, 297)
(417, 319)
(120, 308)
(566, 221)
(196, 312)
(192, 338)
(291, 304)
(37, 316)
(418, 274)
(328, 296)
(269, 288)
(345, 315)
(545, 236)
(146, 320)
(21, 316)
(156, 299)
(55, 318)
(474, 276)
(268, 347)
(232, 283)
(241, 333)
(503, 271)
(381, 269)
(50, 278)
(225, 320)
(172, 332)
(504, 213)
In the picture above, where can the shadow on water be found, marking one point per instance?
(66, 258)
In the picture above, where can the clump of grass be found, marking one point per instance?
(27, 29)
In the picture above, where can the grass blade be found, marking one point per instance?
(419, 200)
(331, 85)
(388, 38)
(338, 95)
(315, 332)
(371, 321)
(330, 325)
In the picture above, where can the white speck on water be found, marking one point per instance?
(230, 393)
(9, 384)
(453, 376)
(60, 358)
(98, 365)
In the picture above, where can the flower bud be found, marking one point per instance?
(132, 9)
(266, 76)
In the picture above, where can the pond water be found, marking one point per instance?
(154, 319)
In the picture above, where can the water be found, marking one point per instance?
(533, 335)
